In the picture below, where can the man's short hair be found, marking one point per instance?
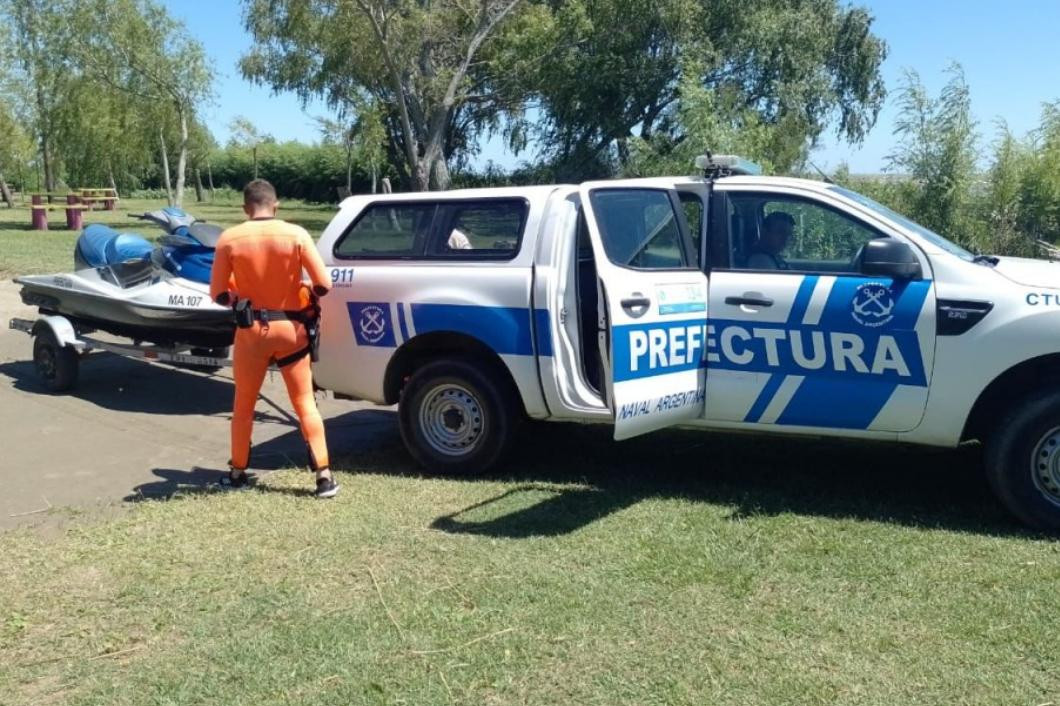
(778, 217)
(259, 193)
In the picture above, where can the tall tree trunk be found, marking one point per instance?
(182, 159)
(49, 168)
(110, 177)
(349, 167)
(5, 193)
(165, 167)
(440, 178)
(209, 178)
(255, 152)
(375, 174)
(199, 197)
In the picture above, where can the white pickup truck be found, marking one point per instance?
(649, 303)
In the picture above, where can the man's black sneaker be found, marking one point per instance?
(326, 488)
(234, 481)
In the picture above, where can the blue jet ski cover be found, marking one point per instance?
(101, 245)
(183, 255)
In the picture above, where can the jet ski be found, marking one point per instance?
(125, 285)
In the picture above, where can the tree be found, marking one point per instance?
(363, 139)
(246, 135)
(1003, 196)
(789, 68)
(937, 149)
(16, 150)
(1040, 182)
(424, 61)
(36, 35)
(134, 46)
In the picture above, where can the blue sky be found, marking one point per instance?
(1010, 52)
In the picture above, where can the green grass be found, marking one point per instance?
(682, 568)
(27, 251)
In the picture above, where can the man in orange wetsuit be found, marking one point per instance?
(258, 270)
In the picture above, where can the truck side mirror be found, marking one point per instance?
(890, 257)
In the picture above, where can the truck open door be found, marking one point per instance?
(653, 304)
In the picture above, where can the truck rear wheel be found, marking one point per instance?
(1023, 461)
(457, 416)
(55, 363)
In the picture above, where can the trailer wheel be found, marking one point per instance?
(55, 363)
(1023, 460)
(457, 417)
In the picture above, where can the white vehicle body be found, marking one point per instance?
(819, 349)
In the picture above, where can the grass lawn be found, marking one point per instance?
(27, 251)
(682, 568)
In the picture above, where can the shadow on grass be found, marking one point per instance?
(176, 483)
(567, 476)
(349, 435)
(589, 476)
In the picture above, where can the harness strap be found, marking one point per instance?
(294, 357)
(266, 315)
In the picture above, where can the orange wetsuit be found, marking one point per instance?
(262, 260)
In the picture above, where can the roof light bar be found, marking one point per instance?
(719, 165)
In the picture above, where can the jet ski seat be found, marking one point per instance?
(124, 259)
(101, 246)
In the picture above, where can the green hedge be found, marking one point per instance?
(297, 170)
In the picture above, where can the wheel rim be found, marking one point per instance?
(46, 362)
(451, 419)
(1045, 466)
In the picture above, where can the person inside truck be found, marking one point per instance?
(776, 232)
(458, 240)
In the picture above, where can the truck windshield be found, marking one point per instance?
(925, 233)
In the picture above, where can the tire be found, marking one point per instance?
(1023, 461)
(56, 364)
(458, 416)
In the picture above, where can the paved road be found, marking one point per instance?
(132, 428)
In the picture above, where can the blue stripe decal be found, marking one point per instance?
(507, 330)
(401, 321)
(795, 316)
(826, 401)
(832, 402)
(765, 397)
(542, 332)
(802, 299)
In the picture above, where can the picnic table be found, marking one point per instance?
(107, 196)
(39, 209)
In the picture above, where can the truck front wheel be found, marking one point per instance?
(457, 416)
(1023, 461)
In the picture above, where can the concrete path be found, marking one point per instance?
(133, 428)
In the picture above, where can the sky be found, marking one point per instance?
(1010, 52)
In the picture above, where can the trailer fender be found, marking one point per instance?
(60, 327)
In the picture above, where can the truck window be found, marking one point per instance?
(640, 228)
(778, 232)
(489, 228)
(692, 205)
(387, 230)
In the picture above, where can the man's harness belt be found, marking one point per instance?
(308, 317)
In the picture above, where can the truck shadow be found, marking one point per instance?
(567, 476)
(562, 477)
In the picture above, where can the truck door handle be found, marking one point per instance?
(636, 305)
(749, 301)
